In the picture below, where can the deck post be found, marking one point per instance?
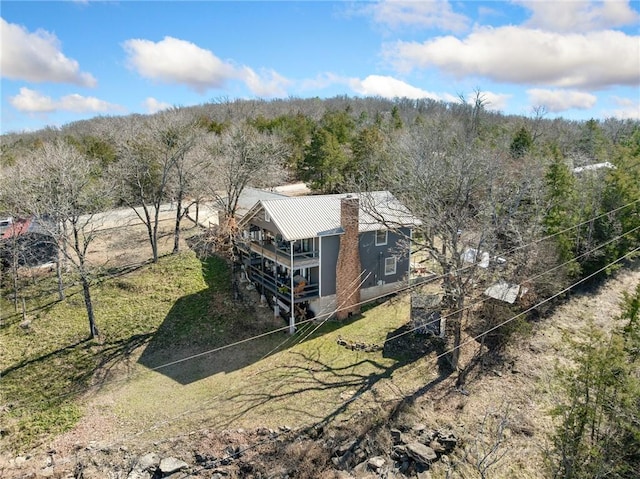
(292, 319)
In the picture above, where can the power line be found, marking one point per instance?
(540, 303)
(328, 314)
(539, 275)
(211, 400)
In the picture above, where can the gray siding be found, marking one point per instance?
(328, 260)
(373, 257)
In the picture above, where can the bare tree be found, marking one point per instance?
(451, 185)
(62, 190)
(490, 444)
(241, 157)
(147, 160)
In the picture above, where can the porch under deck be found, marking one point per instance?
(303, 259)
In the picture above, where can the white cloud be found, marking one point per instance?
(31, 101)
(176, 61)
(36, 57)
(388, 87)
(270, 84)
(528, 56)
(154, 106)
(425, 14)
(557, 101)
(579, 16)
(628, 108)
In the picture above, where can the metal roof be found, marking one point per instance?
(503, 291)
(319, 215)
(249, 197)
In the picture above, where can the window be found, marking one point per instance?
(390, 265)
(381, 237)
(266, 216)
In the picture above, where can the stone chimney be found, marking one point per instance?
(348, 268)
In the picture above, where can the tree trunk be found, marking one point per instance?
(176, 231)
(457, 339)
(59, 276)
(93, 330)
(14, 274)
(59, 260)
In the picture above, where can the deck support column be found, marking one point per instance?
(292, 319)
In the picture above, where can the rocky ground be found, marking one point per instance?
(430, 434)
(406, 451)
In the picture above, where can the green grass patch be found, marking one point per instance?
(167, 326)
(48, 364)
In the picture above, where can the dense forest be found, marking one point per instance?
(559, 199)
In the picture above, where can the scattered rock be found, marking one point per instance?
(420, 453)
(376, 463)
(144, 467)
(46, 472)
(437, 447)
(169, 465)
(344, 447)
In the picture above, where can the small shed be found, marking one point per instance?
(425, 314)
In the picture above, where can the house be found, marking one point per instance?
(25, 242)
(249, 197)
(316, 255)
(594, 167)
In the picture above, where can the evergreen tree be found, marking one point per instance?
(561, 196)
(599, 431)
(521, 143)
(324, 162)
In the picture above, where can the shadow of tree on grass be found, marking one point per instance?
(199, 336)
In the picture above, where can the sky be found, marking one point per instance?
(72, 60)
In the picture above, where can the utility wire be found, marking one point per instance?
(470, 340)
(211, 400)
(329, 314)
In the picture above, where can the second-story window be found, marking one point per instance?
(381, 237)
(390, 265)
(267, 217)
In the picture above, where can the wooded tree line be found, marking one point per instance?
(475, 178)
(481, 183)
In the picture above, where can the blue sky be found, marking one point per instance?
(67, 61)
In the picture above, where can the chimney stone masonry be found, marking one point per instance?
(348, 268)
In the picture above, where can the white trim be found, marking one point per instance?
(319, 266)
(395, 263)
(386, 237)
(409, 255)
(292, 317)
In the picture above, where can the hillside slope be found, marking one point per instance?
(253, 420)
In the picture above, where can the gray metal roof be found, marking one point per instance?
(503, 291)
(249, 197)
(319, 215)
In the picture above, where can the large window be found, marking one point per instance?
(381, 237)
(390, 265)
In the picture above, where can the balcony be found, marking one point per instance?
(280, 253)
(280, 286)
